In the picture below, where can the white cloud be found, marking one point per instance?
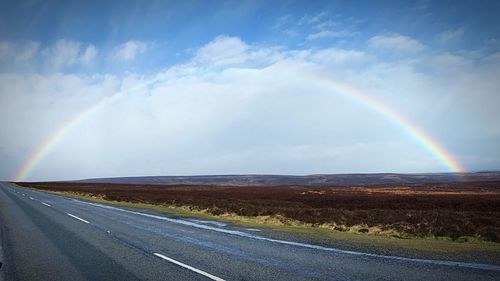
(28, 51)
(396, 42)
(5, 49)
(89, 54)
(493, 58)
(236, 107)
(321, 26)
(312, 19)
(329, 34)
(451, 35)
(450, 63)
(223, 50)
(130, 49)
(282, 21)
(227, 51)
(18, 52)
(63, 53)
(332, 55)
(327, 25)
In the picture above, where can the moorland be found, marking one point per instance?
(459, 210)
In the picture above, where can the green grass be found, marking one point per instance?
(427, 244)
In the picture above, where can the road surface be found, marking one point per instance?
(48, 237)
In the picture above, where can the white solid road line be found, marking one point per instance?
(48, 205)
(73, 216)
(189, 267)
(253, 229)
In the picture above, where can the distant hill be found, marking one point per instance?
(309, 180)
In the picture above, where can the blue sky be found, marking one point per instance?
(218, 87)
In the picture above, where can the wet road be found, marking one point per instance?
(48, 237)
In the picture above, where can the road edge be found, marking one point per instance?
(2, 261)
(8, 270)
(2, 255)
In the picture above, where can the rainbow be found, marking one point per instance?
(53, 140)
(419, 136)
(405, 125)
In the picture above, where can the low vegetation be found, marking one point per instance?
(459, 211)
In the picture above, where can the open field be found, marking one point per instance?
(120, 242)
(460, 211)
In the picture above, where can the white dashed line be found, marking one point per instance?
(32, 198)
(80, 219)
(189, 267)
(48, 205)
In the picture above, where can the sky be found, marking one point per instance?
(132, 88)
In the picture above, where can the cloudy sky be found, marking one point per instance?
(126, 88)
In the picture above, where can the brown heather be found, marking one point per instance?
(451, 210)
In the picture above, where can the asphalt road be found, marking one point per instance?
(48, 237)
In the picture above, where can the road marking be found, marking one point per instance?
(73, 216)
(48, 205)
(31, 198)
(24, 194)
(253, 229)
(189, 267)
